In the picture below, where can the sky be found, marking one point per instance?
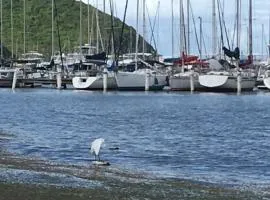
(201, 8)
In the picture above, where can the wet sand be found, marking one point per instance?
(93, 182)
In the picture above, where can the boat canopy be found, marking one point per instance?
(99, 56)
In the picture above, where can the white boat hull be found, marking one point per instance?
(225, 83)
(266, 82)
(213, 81)
(182, 83)
(93, 83)
(136, 81)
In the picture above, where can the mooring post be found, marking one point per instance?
(105, 79)
(147, 80)
(14, 81)
(192, 81)
(59, 77)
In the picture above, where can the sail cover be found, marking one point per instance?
(99, 56)
(229, 53)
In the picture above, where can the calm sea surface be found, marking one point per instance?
(220, 138)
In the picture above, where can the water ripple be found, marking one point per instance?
(203, 136)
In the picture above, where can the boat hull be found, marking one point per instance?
(182, 83)
(93, 83)
(266, 82)
(225, 83)
(136, 81)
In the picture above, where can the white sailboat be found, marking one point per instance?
(147, 77)
(225, 81)
(265, 76)
(229, 76)
(94, 81)
(94, 67)
(136, 80)
(182, 81)
(264, 71)
(186, 79)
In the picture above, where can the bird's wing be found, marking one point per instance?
(95, 146)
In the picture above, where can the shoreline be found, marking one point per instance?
(104, 183)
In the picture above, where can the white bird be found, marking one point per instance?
(95, 147)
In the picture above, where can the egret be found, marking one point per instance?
(95, 147)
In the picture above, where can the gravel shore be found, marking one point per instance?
(33, 178)
(104, 183)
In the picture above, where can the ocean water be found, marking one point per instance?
(217, 138)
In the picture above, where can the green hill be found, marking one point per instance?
(38, 27)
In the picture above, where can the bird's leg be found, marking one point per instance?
(95, 157)
(98, 158)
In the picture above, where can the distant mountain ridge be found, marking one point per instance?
(38, 27)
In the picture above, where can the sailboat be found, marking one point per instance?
(230, 76)
(266, 76)
(89, 72)
(89, 75)
(144, 74)
(184, 78)
(264, 70)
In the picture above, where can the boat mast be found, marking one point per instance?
(182, 35)
(52, 28)
(112, 38)
(269, 38)
(250, 30)
(172, 30)
(97, 27)
(137, 35)
(1, 31)
(188, 27)
(11, 24)
(182, 30)
(158, 25)
(88, 26)
(80, 29)
(92, 26)
(104, 35)
(24, 21)
(262, 41)
(200, 18)
(214, 29)
(238, 23)
(144, 29)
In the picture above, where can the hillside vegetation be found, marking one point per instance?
(38, 17)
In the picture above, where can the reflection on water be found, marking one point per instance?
(210, 137)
